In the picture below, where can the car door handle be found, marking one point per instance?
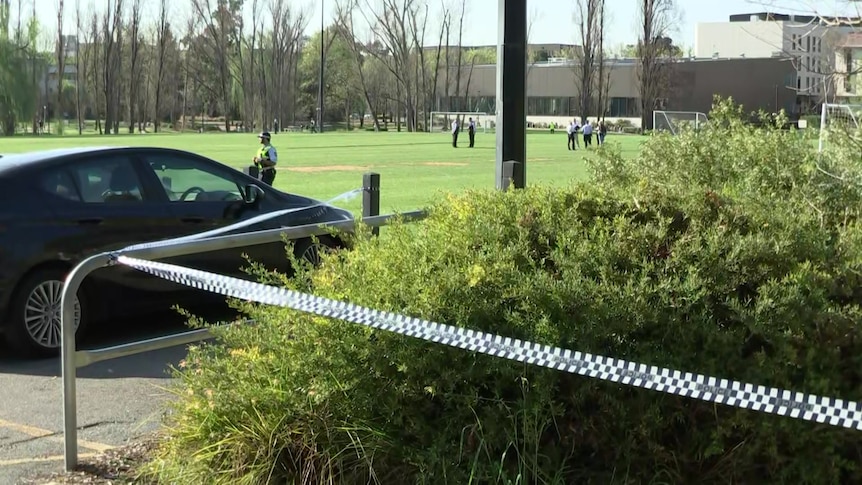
(192, 219)
(92, 221)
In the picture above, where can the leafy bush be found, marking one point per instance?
(733, 252)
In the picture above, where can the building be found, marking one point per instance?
(552, 93)
(848, 69)
(811, 42)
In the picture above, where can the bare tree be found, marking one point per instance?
(657, 18)
(345, 22)
(214, 45)
(391, 22)
(459, 54)
(244, 60)
(112, 41)
(287, 32)
(95, 76)
(585, 16)
(80, 65)
(61, 68)
(135, 74)
(603, 78)
(161, 45)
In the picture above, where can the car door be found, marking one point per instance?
(104, 205)
(203, 195)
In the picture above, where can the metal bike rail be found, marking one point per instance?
(73, 359)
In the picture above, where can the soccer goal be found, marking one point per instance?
(840, 120)
(676, 121)
(441, 121)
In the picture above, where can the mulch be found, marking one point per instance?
(114, 467)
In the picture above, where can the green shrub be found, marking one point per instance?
(733, 252)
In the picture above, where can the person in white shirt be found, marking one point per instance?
(572, 132)
(456, 127)
(588, 134)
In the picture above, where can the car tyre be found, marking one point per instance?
(310, 251)
(34, 326)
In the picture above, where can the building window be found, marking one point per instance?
(807, 44)
(624, 108)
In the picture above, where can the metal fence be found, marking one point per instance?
(73, 359)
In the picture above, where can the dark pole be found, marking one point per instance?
(512, 91)
(320, 81)
(371, 197)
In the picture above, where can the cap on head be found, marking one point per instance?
(264, 134)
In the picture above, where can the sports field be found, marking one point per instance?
(414, 167)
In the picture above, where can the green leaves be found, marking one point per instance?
(703, 255)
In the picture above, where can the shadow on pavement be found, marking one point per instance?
(152, 364)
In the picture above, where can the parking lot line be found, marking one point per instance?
(44, 433)
(44, 459)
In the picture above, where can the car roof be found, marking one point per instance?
(10, 162)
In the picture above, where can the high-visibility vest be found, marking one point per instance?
(264, 152)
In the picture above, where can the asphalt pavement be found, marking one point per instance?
(118, 400)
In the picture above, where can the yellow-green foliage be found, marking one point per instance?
(726, 252)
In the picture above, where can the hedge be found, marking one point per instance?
(734, 252)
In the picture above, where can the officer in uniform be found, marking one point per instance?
(266, 159)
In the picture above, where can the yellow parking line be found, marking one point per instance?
(44, 433)
(25, 461)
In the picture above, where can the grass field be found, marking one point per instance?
(414, 167)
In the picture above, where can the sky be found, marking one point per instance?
(552, 20)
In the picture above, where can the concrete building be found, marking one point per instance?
(552, 93)
(810, 41)
(848, 70)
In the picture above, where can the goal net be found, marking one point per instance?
(676, 121)
(441, 121)
(838, 120)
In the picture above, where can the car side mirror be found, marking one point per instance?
(253, 194)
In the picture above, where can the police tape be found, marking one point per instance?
(836, 412)
(350, 194)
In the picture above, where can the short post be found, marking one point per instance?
(371, 197)
(510, 168)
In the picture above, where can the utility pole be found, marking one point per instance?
(320, 81)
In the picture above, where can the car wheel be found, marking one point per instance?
(34, 326)
(311, 251)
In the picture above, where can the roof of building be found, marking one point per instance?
(806, 19)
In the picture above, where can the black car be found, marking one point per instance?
(61, 206)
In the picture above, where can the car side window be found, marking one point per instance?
(60, 183)
(188, 180)
(108, 180)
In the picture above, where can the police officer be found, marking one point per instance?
(266, 159)
(471, 130)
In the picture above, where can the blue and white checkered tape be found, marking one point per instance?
(836, 412)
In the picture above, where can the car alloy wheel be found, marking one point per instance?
(312, 254)
(42, 314)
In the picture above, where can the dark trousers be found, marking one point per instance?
(571, 144)
(472, 137)
(588, 140)
(455, 139)
(267, 176)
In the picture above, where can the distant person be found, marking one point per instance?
(575, 132)
(572, 133)
(588, 134)
(311, 126)
(603, 131)
(471, 130)
(553, 127)
(456, 127)
(266, 159)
